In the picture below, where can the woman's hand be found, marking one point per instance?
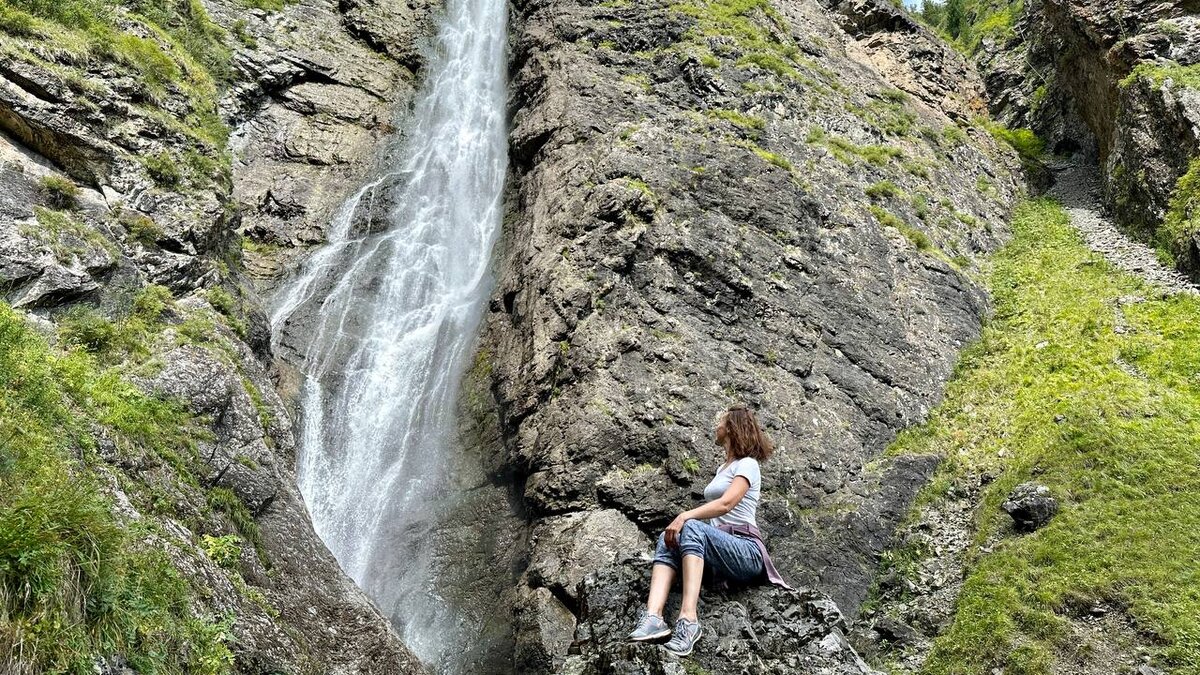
(671, 534)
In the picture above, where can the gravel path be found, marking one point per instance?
(1078, 188)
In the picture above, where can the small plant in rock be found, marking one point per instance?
(226, 551)
(243, 35)
(883, 189)
(889, 219)
(738, 119)
(163, 170)
(224, 500)
(58, 192)
(229, 307)
(921, 205)
(141, 228)
(768, 156)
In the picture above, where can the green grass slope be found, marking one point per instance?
(1077, 385)
(78, 582)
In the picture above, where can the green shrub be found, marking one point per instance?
(141, 228)
(226, 551)
(1157, 73)
(163, 170)
(83, 14)
(155, 66)
(112, 341)
(1024, 141)
(188, 24)
(58, 192)
(87, 328)
(150, 303)
(203, 170)
(921, 205)
(954, 134)
(16, 22)
(883, 189)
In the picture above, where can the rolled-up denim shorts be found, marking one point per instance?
(727, 556)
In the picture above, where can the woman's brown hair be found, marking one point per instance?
(746, 437)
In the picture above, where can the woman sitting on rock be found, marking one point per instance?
(729, 544)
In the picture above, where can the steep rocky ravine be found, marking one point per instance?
(784, 204)
(1115, 83)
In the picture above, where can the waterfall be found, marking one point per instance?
(385, 316)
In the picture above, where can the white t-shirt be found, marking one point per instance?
(743, 512)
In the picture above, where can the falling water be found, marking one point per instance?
(385, 316)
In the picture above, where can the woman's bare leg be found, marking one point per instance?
(693, 572)
(660, 585)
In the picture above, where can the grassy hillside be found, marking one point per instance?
(1087, 381)
(80, 578)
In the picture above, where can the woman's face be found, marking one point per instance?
(721, 432)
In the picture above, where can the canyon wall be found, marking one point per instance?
(129, 176)
(718, 202)
(1115, 83)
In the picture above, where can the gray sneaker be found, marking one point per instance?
(650, 627)
(687, 634)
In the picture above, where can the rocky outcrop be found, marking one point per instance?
(776, 204)
(319, 100)
(1109, 81)
(761, 630)
(117, 190)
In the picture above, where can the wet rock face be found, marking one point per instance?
(756, 630)
(689, 226)
(1076, 73)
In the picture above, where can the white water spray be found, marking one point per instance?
(386, 315)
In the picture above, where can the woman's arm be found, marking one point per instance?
(717, 507)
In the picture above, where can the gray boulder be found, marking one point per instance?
(1030, 506)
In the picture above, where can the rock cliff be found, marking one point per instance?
(135, 149)
(710, 201)
(1116, 84)
(721, 201)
